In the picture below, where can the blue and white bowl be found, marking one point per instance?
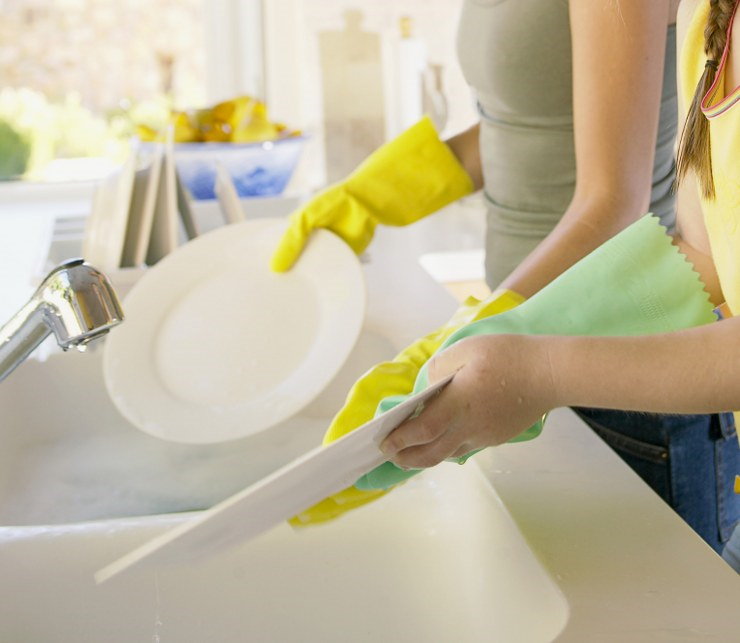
(257, 169)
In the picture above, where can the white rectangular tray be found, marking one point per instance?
(317, 474)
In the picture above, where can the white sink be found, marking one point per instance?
(437, 560)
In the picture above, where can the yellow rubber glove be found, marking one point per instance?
(401, 182)
(396, 377)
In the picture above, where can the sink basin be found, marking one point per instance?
(437, 560)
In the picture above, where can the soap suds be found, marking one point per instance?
(129, 474)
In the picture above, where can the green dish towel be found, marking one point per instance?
(637, 283)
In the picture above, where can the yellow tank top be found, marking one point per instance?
(722, 108)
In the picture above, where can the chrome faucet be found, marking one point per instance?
(76, 302)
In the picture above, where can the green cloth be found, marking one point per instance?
(637, 283)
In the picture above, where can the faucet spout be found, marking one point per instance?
(75, 302)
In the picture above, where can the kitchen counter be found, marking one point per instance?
(629, 568)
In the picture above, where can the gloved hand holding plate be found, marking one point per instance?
(216, 346)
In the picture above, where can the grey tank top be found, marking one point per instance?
(516, 56)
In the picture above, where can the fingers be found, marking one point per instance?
(423, 457)
(431, 438)
(425, 440)
(290, 246)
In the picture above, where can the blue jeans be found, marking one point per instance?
(689, 460)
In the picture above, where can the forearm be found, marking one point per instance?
(577, 234)
(688, 371)
(616, 47)
(465, 147)
(586, 225)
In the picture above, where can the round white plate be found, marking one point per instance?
(215, 346)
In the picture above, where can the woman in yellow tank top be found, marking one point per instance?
(500, 390)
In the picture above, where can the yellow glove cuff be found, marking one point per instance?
(473, 309)
(499, 301)
(406, 179)
(409, 177)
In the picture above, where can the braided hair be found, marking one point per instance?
(693, 148)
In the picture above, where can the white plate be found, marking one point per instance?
(141, 210)
(165, 238)
(105, 231)
(215, 346)
(316, 475)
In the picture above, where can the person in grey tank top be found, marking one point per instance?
(516, 57)
(577, 105)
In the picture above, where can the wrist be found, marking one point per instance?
(576, 370)
(542, 358)
(517, 365)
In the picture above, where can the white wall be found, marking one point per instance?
(233, 42)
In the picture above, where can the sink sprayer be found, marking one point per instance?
(75, 301)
